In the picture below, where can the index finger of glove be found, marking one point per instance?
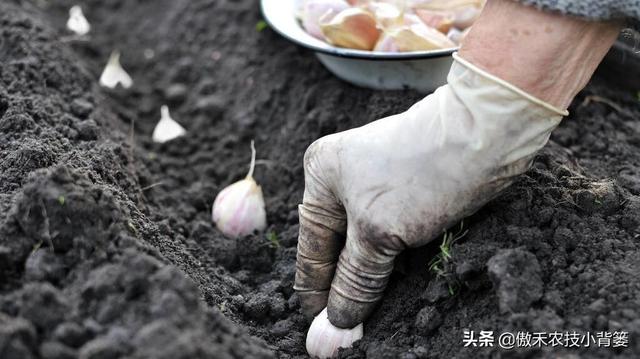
(321, 237)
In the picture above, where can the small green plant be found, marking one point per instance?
(272, 237)
(437, 263)
(132, 228)
(61, 200)
(37, 246)
(261, 25)
(440, 265)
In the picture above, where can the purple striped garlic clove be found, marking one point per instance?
(238, 210)
(324, 339)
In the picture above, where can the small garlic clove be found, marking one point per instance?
(440, 20)
(465, 12)
(314, 10)
(386, 43)
(167, 128)
(353, 28)
(324, 339)
(239, 210)
(456, 35)
(77, 22)
(465, 16)
(443, 4)
(387, 14)
(366, 3)
(411, 19)
(113, 74)
(417, 37)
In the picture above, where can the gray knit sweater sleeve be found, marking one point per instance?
(592, 9)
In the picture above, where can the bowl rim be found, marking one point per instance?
(352, 53)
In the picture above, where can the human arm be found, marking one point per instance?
(398, 182)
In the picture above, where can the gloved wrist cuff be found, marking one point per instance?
(507, 85)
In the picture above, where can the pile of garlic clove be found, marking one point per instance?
(390, 25)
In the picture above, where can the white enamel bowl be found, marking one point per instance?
(420, 70)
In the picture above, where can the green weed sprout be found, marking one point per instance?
(261, 25)
(440, 263)
(272, 237)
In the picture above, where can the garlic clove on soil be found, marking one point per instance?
(353, 28)
(113, 74)
(324, 339)
(238, 210)
(315, 10)
(416, 37)
(167, 128)
(77, 22)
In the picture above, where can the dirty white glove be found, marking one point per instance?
(400, 181)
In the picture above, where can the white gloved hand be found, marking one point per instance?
(400, 181)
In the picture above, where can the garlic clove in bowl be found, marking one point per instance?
(314, 10)
(439, 20)
(416, 37)
(387, 14)
(353, 28)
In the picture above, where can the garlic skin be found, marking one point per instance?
(238, 210)
(324, 339)
(113, 74)
(353, 28)
(77, 22)
(167, 128)
(314, 11)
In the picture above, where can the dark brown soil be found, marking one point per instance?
(107, 249)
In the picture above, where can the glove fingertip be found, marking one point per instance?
(347, 313)
(312, 302)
